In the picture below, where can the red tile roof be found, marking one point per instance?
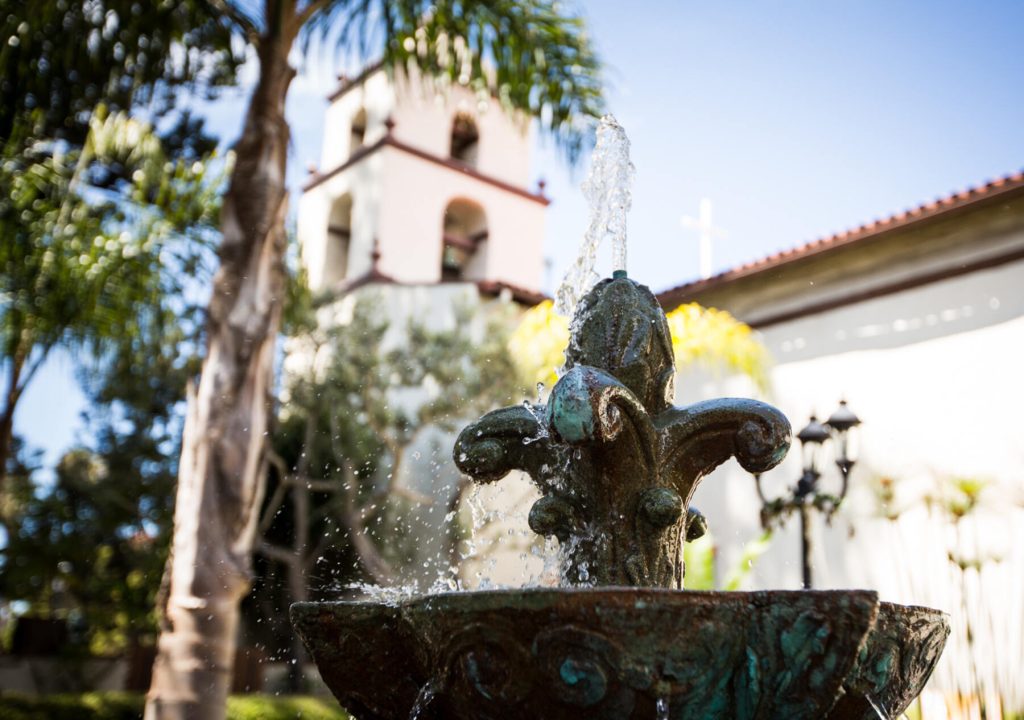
(926, 211)
(492, 288)
(520, 294)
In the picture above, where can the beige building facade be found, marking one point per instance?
(421, 185)
(917, 321)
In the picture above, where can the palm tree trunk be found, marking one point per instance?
(7, 419)
(222, 468)
(11, 397)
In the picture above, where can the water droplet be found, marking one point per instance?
(877, 707)
(423, 698)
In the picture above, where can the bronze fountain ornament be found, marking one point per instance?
(617, 465)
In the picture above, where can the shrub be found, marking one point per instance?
(88, 706)
(128, 706)
(262, 707)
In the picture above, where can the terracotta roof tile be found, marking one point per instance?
(954, 200)
(519, 293)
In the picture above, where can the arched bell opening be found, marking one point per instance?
(465, 141)
(357, 132)
(339, 240)
(464, 237)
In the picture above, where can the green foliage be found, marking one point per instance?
(126, 706)
(532, 55)
(89, 548)
(358, 391)
(104, 249)
(699, 556)
(256, 707)
(22, 465)
(358, 397)
(543, 62)
(59, 58)
(89, 200)
(538, 344)
(715, 339)
(883, 490)
(89, 706)
(83, 254)
(961, 495)
(99, 247)
(752, 552)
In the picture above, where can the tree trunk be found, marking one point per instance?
(222, 468)
(7, 417)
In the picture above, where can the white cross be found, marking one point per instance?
(708, 232)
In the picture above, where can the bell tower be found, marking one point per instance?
(420, 185)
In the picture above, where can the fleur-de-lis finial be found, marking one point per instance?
(616, 463)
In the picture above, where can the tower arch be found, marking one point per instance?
(465, 139)
(339, 240)
(464, 238)
(357, 131)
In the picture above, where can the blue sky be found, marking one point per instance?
(797, 120)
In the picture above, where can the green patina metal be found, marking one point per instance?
(616, 463)
(617, 466)
(585, 679)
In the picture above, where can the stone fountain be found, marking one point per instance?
(617, 465)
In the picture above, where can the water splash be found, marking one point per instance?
(551, 573)
(426, 694)
(877, 707)
(391, 596)
(609, 192)
(537, 411)
(661, 708)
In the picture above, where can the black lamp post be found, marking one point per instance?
(807, 494)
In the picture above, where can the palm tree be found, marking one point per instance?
(535, 59)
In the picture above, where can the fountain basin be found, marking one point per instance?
(623, 653)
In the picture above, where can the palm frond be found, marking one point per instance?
(246, 15)
(531, 55)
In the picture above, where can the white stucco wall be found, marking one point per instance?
(933, 372)
(935, 375)
(423, 115)
(414, 195)
(363, 181)
(374, 95)
(399, 198)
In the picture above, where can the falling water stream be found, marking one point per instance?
(609, 193)
(877, 707)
